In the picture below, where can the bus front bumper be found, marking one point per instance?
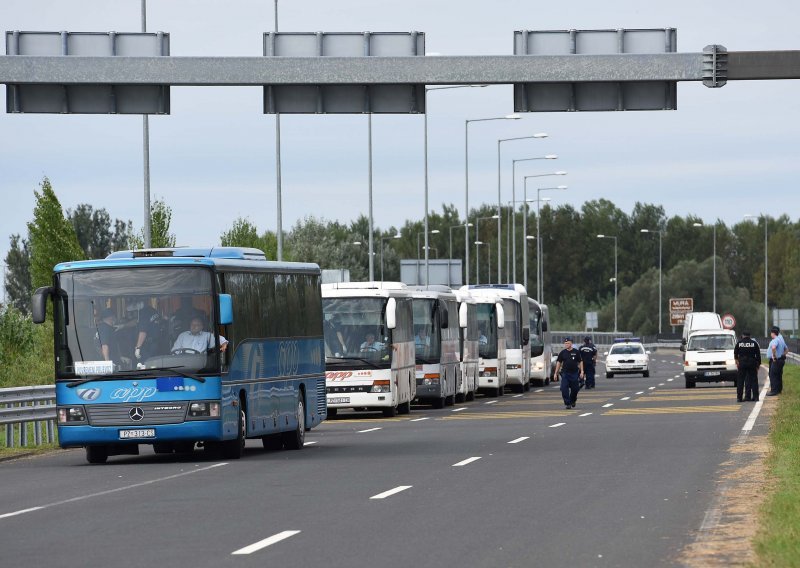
(85, 435)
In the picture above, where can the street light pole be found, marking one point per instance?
(466, 180)
(477, 239)
(147, 227)
(477, 261)
(279, 206)
(514, 216)
(525, 233)
(499, 199)
(451, 247)
(615, 276)
(539, 275)
(432, 232)
(660, 235)
(397, 236)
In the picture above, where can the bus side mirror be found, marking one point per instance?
(462, 316)
(39, 303)
(501, 315)
(526, 335)
(391, 313)
(225, 309)
(444, 316)
(544, 326)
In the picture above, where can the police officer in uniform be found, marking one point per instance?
(748, 359)
(776, 352)
(589, 357)
(569, 360)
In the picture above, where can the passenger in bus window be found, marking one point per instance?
(105, 334)
(197, 340)
(148, 327)
(370, 344)
(422, 341)
(483, 340)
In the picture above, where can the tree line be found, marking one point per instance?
(578, 267)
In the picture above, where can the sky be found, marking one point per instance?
(723, 153)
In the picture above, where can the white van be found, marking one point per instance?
(709, 357)
(696, 321)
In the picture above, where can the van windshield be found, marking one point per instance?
(707, 342)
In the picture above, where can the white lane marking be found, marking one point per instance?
(610, 404)
(625, 398)
(640, 392)
(391, 492)
(670, 380)
(677, 377)
(651, 388)
(465, 462)
(517, 395)
(310, 443)
(255, 547)
(420, 419)
(518, 440)
(539, 390)
(110, 491)
(369, 430)
(661, 384)
(557, 425)
(490, 402)
(458, 409)
(585, 414)
(22, 512)
(751, 420)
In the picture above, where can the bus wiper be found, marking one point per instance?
(134, 373)
(424, 361)
(362, 359)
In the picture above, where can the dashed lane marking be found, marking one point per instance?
(585, 414)
(420, 419)
(609, 405)
(556, 425)
(491, 402)
(466, 461)
(459, 409)
(539, 390)
(266, 542)
(673, 410)
(505, 415)
(391, 492)
(518, 440)
(310, 443)
(369, 430)
(625, 398)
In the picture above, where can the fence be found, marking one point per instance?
(21, 407)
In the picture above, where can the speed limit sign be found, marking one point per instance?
(728, 321)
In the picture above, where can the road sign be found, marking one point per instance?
(591, 320)
(678, 308)
(728, 321)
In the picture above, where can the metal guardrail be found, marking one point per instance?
(22, 406)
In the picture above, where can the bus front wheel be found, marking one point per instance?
(96, 454)
(295, 439)
(234, 449)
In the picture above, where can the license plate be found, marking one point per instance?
(711, 373)
(339, 400)
(143, 433)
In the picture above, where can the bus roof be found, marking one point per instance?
(365, 289)
(511, 291)
(432, 292)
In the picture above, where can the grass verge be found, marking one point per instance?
(777, 542)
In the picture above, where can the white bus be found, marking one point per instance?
(436, 344)
(369, 346)
(540, 343)
(517, 331)
(492, 373)
(468, 349)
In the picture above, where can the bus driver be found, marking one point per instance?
(195, 339)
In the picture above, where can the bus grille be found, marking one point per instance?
(171, 412)
(321, 398)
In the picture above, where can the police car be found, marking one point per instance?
(627, 355)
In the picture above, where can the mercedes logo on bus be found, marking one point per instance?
(136, 414)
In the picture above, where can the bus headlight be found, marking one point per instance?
(204, 409)
(380, 386)
(431, 379)
(513, 366)
(489, 372)
(539, 365)
(67, 414)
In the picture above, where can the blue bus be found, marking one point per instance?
(185, 346)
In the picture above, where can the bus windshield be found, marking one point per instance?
(427, 331)
(132, 319)
(513, 327)
(355, 332)
(537, 340)
(487, 326)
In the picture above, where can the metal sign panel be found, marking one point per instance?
(595, 96)
(87, 98)
(786, 318)
(445, 271)
(678, 308)
(344, 99)
(591, 320)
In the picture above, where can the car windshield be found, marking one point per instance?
(355, 331)
(707, 342)
(101, 316)
(627, 349)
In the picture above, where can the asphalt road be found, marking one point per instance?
(625, 479)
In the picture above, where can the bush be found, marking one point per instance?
(26, 350)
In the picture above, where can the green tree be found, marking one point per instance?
(93, 229)
(51, 236)
(160, 219)
(18, 275)
(243, 233)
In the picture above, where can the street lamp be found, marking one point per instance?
(714, 262)
(525, 232)
(478, 262)
(477, 237)
(397, 236)
(660, 235)
(539, 275)
(766, 260)
(432, 232)
(513, 198)
(499, 202)
(463, 225)
(425, 115)
(466, 179)
(615, 276)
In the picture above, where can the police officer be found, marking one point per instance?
(777, 359)
(589, 357)
(569, 360)
(748, 359)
